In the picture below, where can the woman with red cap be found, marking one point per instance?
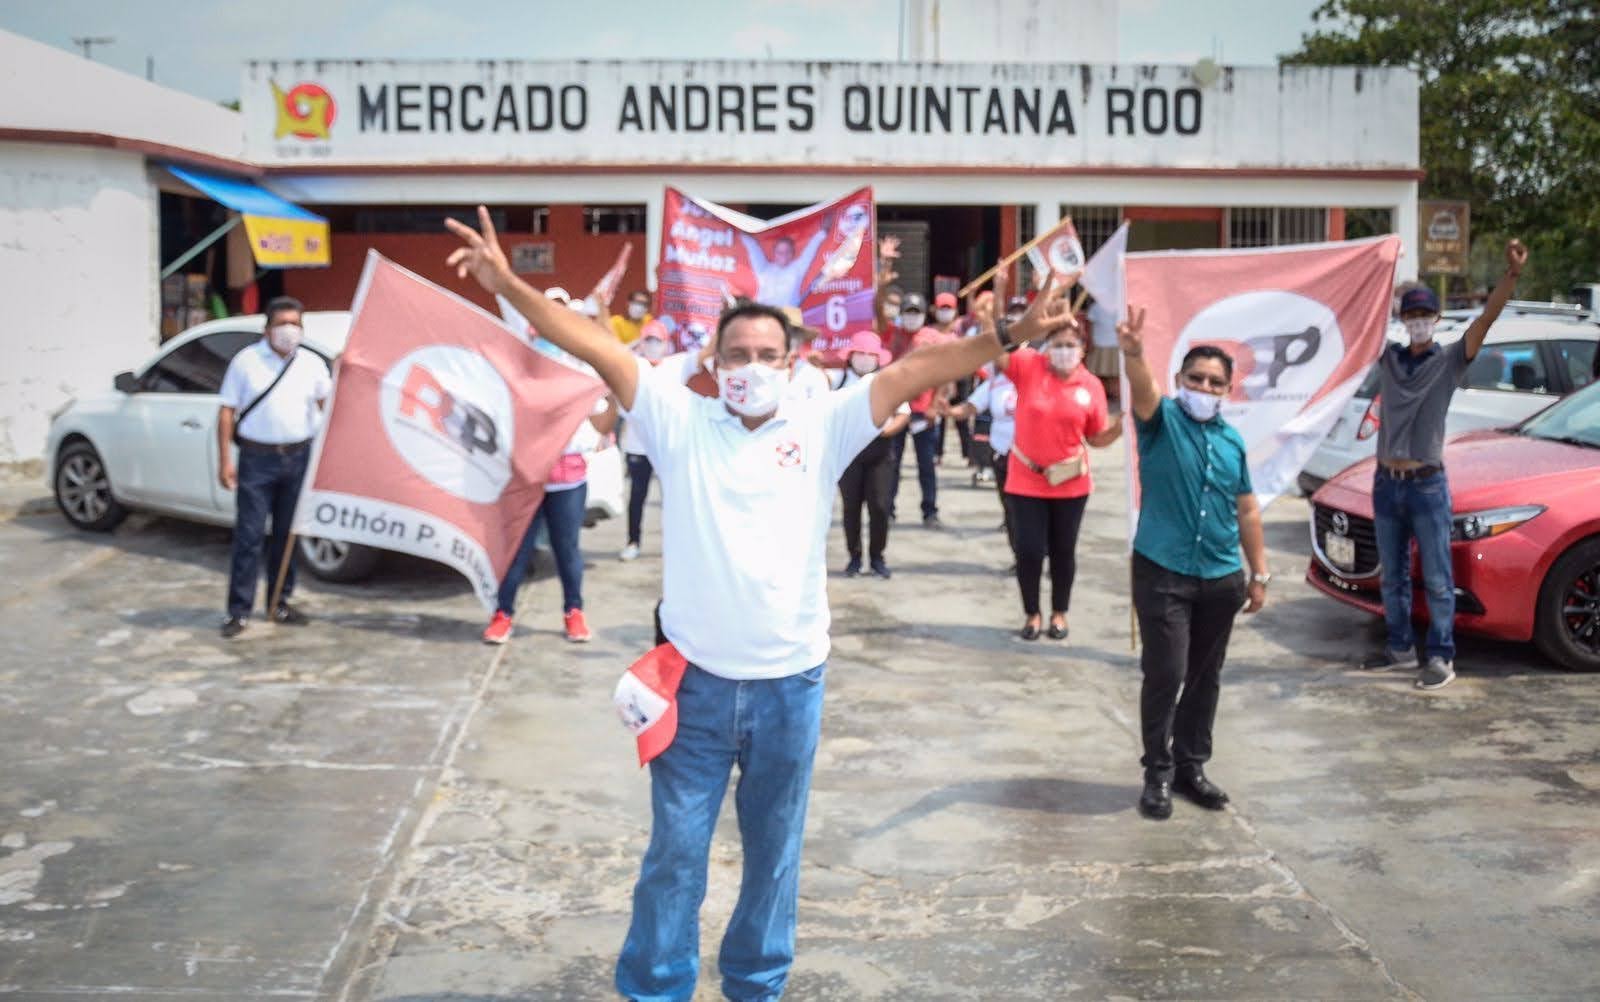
(1060, 412)
(870, 476)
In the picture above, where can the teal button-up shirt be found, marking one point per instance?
(1191, 474)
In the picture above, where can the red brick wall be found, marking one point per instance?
(580, 260)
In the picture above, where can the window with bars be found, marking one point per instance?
(1274, 227)
(613, 218)
(1094, 223)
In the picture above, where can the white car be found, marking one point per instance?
(1532, 357)
(150, 443)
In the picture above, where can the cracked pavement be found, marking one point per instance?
(377, 807)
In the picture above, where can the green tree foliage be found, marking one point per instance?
(1510, 116)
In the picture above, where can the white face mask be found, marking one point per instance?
(636, 311)
(1012, 318)
(1420, 329)
(944, 314)
(752, 390)
(912, 321)
(863, 364)
(1199, 404)
(1065, 358)
(654, 349)
(891, 311)
(285, 338)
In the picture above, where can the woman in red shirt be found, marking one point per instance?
(1061, 411)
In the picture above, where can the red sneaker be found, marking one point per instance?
(499, 629)
(577, 628)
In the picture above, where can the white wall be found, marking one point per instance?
(78, 246)
(1046, 31)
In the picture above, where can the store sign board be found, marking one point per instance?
(827, 114)
(1446, 237)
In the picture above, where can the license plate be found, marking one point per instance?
(1341, 550)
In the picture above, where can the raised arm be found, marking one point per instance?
(753, 247)
(1142, 385)
(481, 257)
(938, 364)
(1516, 257)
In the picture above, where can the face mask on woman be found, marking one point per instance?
(653, 349)
(863, 364)
(284, 338)
(1199, 404)
(636, 311)
(1420, 329)
(944, 314)
(752, 390)
(1065, 357)
(891, 311)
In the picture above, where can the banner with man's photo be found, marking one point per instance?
(1303, 324)
(442, 430)
(820, 259)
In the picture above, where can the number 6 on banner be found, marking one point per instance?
(838, 316)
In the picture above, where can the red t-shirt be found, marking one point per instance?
(921, 339)
(1054, 416)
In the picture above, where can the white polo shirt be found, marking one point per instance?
(745, 518)
(807, 381)
(290, 413)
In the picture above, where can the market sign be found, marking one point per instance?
(815, 114)
(1445, 238)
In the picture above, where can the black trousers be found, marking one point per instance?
(1042, 527)
(639, 474)
(1186, 622)
(1002, 464)
(869, 478)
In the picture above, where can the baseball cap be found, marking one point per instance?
(1419, 298)
(945, 299)
(1017, 303)
(913, 302)
(646, 698)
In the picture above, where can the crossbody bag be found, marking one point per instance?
(260, 397)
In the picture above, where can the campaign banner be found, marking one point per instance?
(1302, 323)
(441, 432)
(1060, 254)
(820, 259)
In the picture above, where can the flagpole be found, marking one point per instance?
(283, 572)
(1012, 258)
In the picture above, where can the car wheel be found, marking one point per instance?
(332, 560)
(1567, 622)
(83, 489)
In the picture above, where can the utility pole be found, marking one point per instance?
(88, 42)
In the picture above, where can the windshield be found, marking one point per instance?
(1575, 419)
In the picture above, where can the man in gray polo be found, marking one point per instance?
(1410, 494)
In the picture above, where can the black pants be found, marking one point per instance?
(639, 474)
(1043, 527)
(1002, 463)
(269, 485)
(1186, 622)
(869, 478)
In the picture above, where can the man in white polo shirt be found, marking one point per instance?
(747, 482)
(272, 394)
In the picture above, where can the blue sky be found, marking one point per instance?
(199, 45)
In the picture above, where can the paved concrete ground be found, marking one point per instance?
(377, 808)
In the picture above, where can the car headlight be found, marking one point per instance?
(1492, 521)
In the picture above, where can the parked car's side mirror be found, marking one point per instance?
(126, 382)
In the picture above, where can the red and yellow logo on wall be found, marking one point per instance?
(305, 111)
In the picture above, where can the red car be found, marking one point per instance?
(1525, 539)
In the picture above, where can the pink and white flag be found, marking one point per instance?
(442, 430)
(1303, 324)
(1060, 254)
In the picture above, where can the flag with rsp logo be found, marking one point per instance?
(1302, 323)
(441, 431)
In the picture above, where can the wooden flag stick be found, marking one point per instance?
(1012, 258)
(283, 572)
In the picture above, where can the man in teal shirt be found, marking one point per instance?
(1197, 508)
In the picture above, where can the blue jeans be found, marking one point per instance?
(269, 484)
(1420, 510)
(927, 444)
(770, 728)
(561, 514)
(639, 474)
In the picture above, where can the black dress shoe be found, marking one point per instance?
(1029, 632)
(233, 626)
(853, 567)
(1196, 787)
(881, 569)
(1056, 632)
(1156, 800)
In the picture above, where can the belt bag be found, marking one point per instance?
(1056, 473)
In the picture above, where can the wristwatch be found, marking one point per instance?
(1263, 579)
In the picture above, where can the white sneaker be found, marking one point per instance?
(629, 552)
